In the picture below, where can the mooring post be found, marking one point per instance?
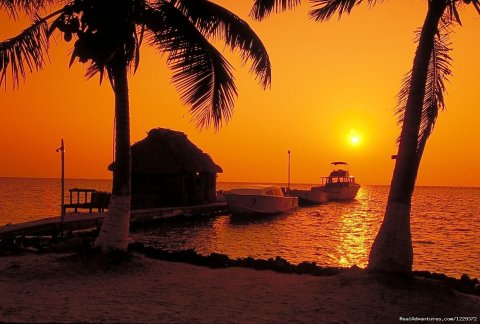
(61, 149)
(288, 186)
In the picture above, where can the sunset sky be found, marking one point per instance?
(333, 95)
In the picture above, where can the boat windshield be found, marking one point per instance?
(274, 191)
(337, 179)
(339, 173)
(260, 190)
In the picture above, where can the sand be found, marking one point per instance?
(53, 288)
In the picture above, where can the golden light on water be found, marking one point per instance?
(355, 232)
(353, 242)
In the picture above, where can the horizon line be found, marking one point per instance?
(249, 182)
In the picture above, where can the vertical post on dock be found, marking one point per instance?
(61, 149)
(288, 186)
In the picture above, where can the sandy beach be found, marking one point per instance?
(55, 288)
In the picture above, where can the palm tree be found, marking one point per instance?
(420, 99)
(108, 35)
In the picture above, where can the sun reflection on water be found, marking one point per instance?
(353, 237)
(354, 233)
(336, 234)
(444, 225)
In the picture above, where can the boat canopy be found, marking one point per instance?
(340, 173)
(339, 163)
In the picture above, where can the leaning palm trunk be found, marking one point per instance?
(392, 249)
(114, 231)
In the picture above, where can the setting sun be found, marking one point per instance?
(310, 108)
(354, 138)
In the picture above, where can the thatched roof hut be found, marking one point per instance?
(165, 151)
(169, 170)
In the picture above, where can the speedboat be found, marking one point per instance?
(340, 185)
(259, 200)
(315, 195)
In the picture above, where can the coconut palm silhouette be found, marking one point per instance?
(420, 99)
(107, 36)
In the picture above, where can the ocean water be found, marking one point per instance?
(26, 199)
(445, 226)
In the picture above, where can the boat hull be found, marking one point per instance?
(314, 196)
(259, 205)
(342, 192)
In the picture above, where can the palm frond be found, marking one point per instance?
(476, 4)
(95, 68)
(139, 33)
(325, 9)
(438, 72)
(201, 74)
(106, 34)
(217, 22)
(31, 7)
(262, 8)
(453, 12)
(24, 53)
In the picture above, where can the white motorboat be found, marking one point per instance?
(340, 185)
(315, 195)
(259, 200)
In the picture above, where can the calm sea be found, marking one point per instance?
(445, 226)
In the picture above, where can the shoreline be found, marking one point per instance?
(83, 241)
(82, 245)
(59, 288)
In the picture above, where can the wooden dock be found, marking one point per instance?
(87, 199)
(82, 221)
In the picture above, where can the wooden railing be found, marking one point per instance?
(87, 199)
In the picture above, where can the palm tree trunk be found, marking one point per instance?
(392, 249)
(114, 232)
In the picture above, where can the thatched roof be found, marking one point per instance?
(165, 151)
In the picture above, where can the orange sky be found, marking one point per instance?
(328, 78)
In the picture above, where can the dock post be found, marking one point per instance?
(61, 149)
(288, 185)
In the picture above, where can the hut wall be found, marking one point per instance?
(200, 188)
(194, 188)
(211, 187)
(154, 191)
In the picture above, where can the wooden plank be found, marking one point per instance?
(74, 221)
(51, 225)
